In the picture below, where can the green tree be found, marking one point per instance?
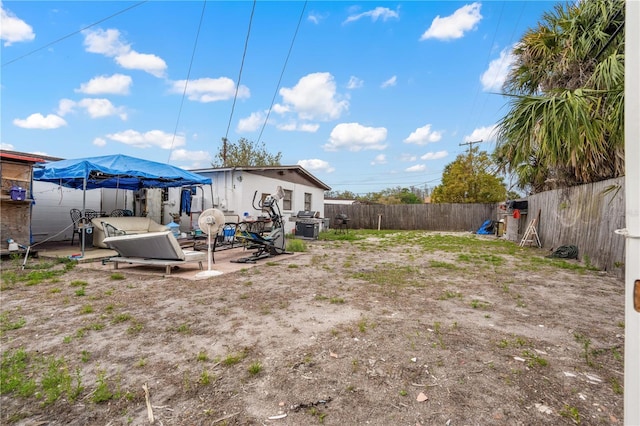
(340, 195)
(245, 153)
(565, 124)
(468, 180)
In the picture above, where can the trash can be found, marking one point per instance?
(87, 231)
(500, 228)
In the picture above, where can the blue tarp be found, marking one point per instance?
(487, 228)
(116, 171)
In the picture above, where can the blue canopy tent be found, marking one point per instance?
(115, 171)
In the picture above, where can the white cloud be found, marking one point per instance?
(382, 13)
(416, 168)
(434, 155)
(116, 84)
(147, 62)
(7, 146)
(99, 142)
(184, 155)
(408, 158)
(316, 17)
(423, 135)
(110, 44)
(454, 26)
(494, 77)
(315, 165)
(314, 97)
(356, 137)
(390, 82)
(14, 29)
(105, 43)
(38, 121)
(354, 83)
(152, 138)
(379, 159)
(251, 123)
(210, 89)
(281, 109)
(97, 108)
(299, 127)
(486, 134)
(65, 106)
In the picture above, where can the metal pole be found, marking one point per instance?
(632, 215)
(84, 208)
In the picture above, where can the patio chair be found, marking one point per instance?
(121, 213)
(91, 214)
(76, 217)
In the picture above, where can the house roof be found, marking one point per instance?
(24, 157)
(277, 172)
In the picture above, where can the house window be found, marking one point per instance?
(286, 201)
(307, 201)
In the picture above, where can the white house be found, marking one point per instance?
(238, 191)
(232, 192)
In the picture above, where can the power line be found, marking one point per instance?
(74, 33)
(244, 54)
(275, 93)
(186, 83)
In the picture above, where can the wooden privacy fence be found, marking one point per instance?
(585, 216)
(429, 217)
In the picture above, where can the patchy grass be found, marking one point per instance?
(296, 245)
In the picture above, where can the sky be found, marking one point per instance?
(364, 95)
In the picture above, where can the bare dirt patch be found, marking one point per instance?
(408, 328)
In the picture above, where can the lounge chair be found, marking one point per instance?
(153, 249)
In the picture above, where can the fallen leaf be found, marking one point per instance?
(333, 355)
(421, 397)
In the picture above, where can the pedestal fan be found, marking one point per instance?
(210, 222)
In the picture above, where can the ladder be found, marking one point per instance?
(531, 235)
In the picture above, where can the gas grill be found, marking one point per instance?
(307, 223)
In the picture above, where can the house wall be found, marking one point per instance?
(233, 191)
(50, 218)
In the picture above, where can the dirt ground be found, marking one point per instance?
(406, 328)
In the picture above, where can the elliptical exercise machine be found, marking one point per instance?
(274, 242)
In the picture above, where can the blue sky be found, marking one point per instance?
(365, 95)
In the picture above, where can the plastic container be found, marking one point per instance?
(229, 232)
(18, 193)
(175, 229)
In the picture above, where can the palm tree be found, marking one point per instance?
(565, 125)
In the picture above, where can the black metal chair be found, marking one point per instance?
(120, 213)
(91, 214)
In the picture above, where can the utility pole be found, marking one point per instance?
(473, 183)
(471, 143)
